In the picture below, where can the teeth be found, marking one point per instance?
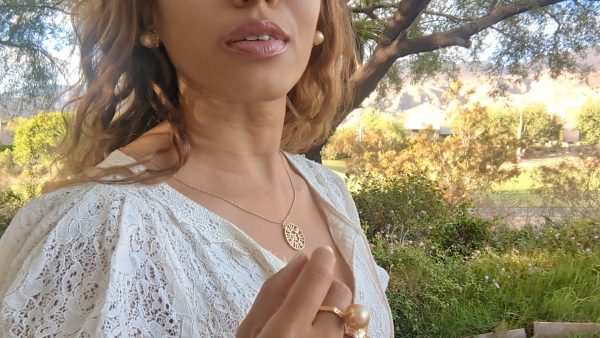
(264, 37)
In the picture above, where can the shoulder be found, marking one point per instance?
(77, 245)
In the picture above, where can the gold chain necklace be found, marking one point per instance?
(292, 233)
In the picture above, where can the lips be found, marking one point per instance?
(257, 28)
(258, 39)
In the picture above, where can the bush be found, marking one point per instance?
(573, 185)
(588, 122)
(540, 126)
(10, 202)
(461, 236)
(574, 237)
(36, 140)
(403, 207)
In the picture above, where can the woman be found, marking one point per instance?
(180, 208)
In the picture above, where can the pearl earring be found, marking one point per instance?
(149, 39)
(319, 38)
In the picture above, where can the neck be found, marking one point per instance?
(235, 138)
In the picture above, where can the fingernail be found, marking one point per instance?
(329, 248)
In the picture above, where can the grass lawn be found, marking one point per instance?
(522, 182)
(514, 193)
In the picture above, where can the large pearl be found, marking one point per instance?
(357, 316)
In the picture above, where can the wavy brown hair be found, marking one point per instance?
(128, 89)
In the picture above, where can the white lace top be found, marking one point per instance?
(104, 260)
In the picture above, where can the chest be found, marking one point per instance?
(307, 214)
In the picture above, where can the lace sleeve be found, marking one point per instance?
(83, 263)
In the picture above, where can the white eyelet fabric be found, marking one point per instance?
(134, 260)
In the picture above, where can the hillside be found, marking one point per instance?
(562, 96)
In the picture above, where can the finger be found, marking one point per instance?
(326, 323)
(272, 293)
(309, 290)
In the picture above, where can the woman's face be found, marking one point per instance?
(202, 40)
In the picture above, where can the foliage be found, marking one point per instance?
(462, 235)
(30, 34)
(539, 126)
(10, 202)
(480, 152)
(575, 185)
(540, 277)
(477, 155)
(6, 161)
(372, 134)
(35, 142)
(518, 38)
(572, 236)
(418, 287)
(588, 123)
(403, 207)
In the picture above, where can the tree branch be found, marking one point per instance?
(460, 36)
(367, 77)
(408, 11)
(448, 16)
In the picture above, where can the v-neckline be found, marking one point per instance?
(325, 205)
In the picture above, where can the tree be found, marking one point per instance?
(35, 142)
(539, 126)
(370, 143)
(588, 122)
(414, 39)
(31, 31)
(479, 153)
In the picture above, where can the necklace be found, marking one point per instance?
(292, 233)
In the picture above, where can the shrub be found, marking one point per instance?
(402, 207)
(573, 185)
(373, 133)
(540, 126)
(571, 236)
(36, 140)
(10, 202)
(462, 235)
(588, 122)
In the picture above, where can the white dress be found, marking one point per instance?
(107, 260)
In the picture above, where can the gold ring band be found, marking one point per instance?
(333, 309)
(356, 319)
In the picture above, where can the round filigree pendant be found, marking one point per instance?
(293, 236)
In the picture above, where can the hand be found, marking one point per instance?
(288, 302)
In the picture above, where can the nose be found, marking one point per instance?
(246, 3)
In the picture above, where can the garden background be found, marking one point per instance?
(472, 151)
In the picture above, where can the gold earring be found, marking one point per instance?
(149, 39)
(319, 38)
